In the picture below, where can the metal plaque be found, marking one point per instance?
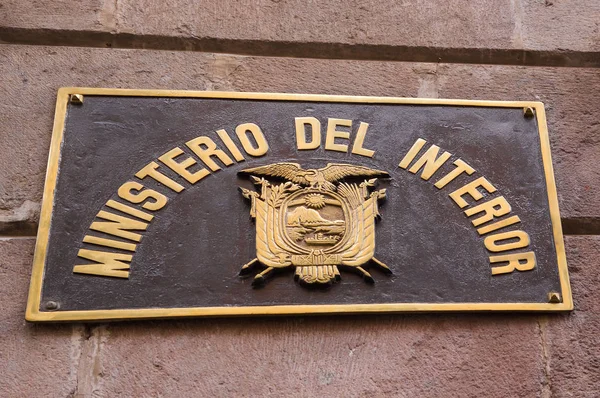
(176, 203)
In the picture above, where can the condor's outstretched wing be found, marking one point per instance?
(290, 171)
(336, 171)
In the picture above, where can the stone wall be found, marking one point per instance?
(494, 49)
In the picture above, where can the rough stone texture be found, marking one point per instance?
(560, 25)
(573, 342)
(61, 14)
(425, 356)
(493, 31)
(454, 23)
(35, 360)
(28, 94)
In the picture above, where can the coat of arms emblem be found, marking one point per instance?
(313, 221)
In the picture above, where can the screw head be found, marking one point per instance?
(52, 305)
(528, 112)
(554, 298)
(76, 99)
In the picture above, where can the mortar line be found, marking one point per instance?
(87, 365)
(309, 50)
(547, 383)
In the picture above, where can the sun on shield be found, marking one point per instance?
(314, 222)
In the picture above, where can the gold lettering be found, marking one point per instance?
(332, 134)
(129, 210)
(359, 141)
(461, 167)
(181, 167)
(494, 208)
(491, 242)
(210, 150)
(110, 264)
(119, 226)
(315, 133)
(410, 155)
(471, 189)
(497, 225)
(150, 171)
(94, 240)
(154, 200)
(261, 143)
(237, 155)
(431, 162)
(519, 261)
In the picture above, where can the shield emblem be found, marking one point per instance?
(315, 220)
(312, 224)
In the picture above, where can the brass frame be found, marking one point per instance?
(33, 312)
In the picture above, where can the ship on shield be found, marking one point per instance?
(314, 221)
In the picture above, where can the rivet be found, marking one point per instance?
(528, 112)
(76, 99)
(554, 298)
(52, 305)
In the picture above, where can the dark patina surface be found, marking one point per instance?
(192, 252)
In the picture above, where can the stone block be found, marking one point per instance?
(454, 23)
(572, 340)
(556, 25)
(36, 360)
(84, 15)
(362, 356)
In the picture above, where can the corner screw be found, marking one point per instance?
(52, 305)
(554, 298)
(76, 99)
(528, 112)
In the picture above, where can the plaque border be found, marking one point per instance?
(34, 314)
